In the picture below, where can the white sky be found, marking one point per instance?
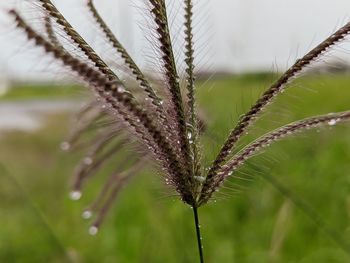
(244, 34)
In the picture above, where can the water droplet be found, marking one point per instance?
(161, 102)
(87, 214)
(120, 89)
(93, 230)
(200, 179)
(65, 146)
(104, 106)
(332, 122)
(75, 195)
(88, 160)
(189, 135)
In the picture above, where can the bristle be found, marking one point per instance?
(111, 190)
(143, 125)
(160, 16)
(136, 71)
(266, 140)
(77, 39)
(247, 119)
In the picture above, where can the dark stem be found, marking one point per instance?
(198, 232)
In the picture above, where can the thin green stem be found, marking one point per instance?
(198, 232)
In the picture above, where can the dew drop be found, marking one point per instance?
(65, 146)
(120, 89)
(87, 214)
(75, 195)
(93, 230)
(200, 179)
(189, 135)
(332, 122)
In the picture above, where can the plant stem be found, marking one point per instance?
(198, 232)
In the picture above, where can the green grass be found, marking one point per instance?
(39, 91)
(38, 221)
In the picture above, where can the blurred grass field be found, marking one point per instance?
(39, 223)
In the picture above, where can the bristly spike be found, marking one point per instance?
(189, 60)
(160, 17)
(50, 32)
(247, 119)
(125, 55)
(111, 190)
(264, 141)
(135, 70)
(193, 130)
(54, 13)
(144, 127)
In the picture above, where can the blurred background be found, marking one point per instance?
(242, 47)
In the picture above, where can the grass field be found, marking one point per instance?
(38, 222)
